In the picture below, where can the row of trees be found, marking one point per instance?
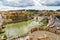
(19, 16)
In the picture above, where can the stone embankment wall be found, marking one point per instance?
(47, 29)
(37, 29)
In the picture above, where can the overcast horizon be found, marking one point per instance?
(29, 4)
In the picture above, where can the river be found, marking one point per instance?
(17, 29)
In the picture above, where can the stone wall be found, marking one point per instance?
(36, 29)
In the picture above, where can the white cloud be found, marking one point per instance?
(16, 1)
(29, 4)
(52, 3)
(37, 3)
(25, 3)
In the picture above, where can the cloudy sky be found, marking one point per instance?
(29, 4)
